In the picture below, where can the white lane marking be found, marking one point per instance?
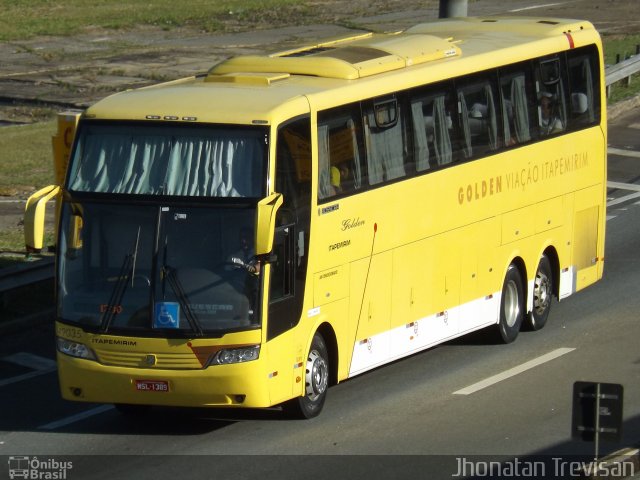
(26, 376)
(487, 382)
(623, 153)
(40, 365)
(624, 186)
(626, 198)
(76, 418)
(533, 7)
(611, 217)
(635, 126)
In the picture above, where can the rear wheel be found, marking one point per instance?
(542, 293)
(316, 382)
(511, 305)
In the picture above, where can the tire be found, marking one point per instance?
(511, 306)
(316, 383)
(542, 293)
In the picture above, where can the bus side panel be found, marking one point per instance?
(425, 282)
(479, 282)
(284, 362)
(585, 235)
(370, 310)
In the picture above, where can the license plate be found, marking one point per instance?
(152, 385)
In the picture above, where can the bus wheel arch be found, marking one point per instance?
(331, 342)
(554, 259)
(512, 301)
(319, 372)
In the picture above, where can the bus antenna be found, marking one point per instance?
(366, 282)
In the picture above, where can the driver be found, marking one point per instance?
(245, 257)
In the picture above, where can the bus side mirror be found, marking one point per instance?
(34, 217)
(265, 222)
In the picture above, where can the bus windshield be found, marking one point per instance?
(169, 159)
(162, 269)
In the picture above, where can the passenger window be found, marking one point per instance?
(552, 111)
(583, 87)
(385, 140)
(516, 92)
(478, 118)
(339, 159)
(432, 130)
(293, 168)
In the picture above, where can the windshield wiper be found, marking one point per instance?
(170, 274)
(117, 293)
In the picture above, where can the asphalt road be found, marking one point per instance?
(408, 419)
(416, 416)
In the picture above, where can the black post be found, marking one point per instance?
(452, 8)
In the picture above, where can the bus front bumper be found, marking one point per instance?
(236, 385)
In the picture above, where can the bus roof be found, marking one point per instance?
(269, 88)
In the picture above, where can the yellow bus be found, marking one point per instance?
(250, 236)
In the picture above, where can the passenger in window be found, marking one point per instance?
(550, 123)
(341, 178)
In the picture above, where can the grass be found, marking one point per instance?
(623, 46)
(25, 165)
(26, 158)
(24, 19)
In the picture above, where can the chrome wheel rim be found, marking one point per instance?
(511, 303)
(317, 375)
(541, 293)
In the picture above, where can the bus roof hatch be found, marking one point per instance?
(347, 60)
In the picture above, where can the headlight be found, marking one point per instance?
(235, 355)
(74, 349)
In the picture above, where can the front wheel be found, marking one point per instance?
(511, 305)
(542, 293)
(316, 382)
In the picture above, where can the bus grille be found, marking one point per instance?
(167, 361)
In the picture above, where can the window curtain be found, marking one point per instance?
(441, 125)
(357, 168)
(421, 147)
(324, 174)
(466, 129)
(588, 77)
(191, 166)
(507, 117)
(492, 120)
(520, 108)
(385, 153)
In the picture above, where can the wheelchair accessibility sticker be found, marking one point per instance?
(166, 315)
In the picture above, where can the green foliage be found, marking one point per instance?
(625, 46)
(26, 158)
(22, 19)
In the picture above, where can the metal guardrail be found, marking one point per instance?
(26, 274)
(622, 70)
